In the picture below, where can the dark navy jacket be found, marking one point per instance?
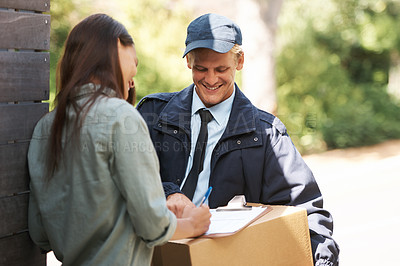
(255, 157)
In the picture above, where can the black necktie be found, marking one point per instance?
(198, 159)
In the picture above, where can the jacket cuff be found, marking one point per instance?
(170, 188)
(324, 262)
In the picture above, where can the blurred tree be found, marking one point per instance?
(258, 21)
(64, 14)
(157, 26)
(336, 61)
(159, 30)
(333, 71)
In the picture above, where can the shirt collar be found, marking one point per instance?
(91, 88)
(220, 112)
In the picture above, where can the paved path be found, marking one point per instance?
(361, 189)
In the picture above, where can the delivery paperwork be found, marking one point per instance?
(234, 217)
(225, 223)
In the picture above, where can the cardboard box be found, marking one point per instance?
(280, 237)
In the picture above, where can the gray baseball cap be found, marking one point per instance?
(214, 32)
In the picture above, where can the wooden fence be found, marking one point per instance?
(24, 84)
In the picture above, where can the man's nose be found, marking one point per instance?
(211, 78)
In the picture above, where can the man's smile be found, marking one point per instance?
(212, 88)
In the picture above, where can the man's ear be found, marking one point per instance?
(189, 65)
(240, 62)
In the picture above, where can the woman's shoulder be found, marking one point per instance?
(114, 103)
(44, 125)
(116, 107)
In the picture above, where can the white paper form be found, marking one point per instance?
(229, 222)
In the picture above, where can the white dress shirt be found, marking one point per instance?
(216, 128)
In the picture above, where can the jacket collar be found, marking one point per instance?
(90, 88)
(242, 118)
(178, 109)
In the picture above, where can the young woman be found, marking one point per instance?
(96, 195)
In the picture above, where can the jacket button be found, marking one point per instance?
(255, 139)
(178, 181)
(175, 131)
(159, 125)
(238, 142)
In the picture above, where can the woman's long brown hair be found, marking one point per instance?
(90, 54)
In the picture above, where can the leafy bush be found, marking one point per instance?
(158, 28)
(333, 70)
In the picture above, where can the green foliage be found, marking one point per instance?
(64, 14)
(158, 28)
(369, 118)
(333, 67)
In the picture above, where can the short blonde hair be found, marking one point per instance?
(236, 50)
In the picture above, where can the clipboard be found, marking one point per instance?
(237, 203)
(230, 219)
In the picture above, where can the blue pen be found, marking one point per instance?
(205, 196)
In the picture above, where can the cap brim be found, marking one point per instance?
(216, 45)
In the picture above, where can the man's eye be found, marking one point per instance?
(221, 70)
(201, 69)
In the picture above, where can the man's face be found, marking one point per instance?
(214, 75)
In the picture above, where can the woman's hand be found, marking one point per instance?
(194, 222)
(177, 202)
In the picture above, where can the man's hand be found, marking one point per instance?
(177, 202)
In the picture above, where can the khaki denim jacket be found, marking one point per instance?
(105, 204)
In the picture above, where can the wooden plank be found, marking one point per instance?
(14, 214)
(14, 174)
(35, 5)
(24, 76)
(19, 250)
(17, 121)
(19, 30)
